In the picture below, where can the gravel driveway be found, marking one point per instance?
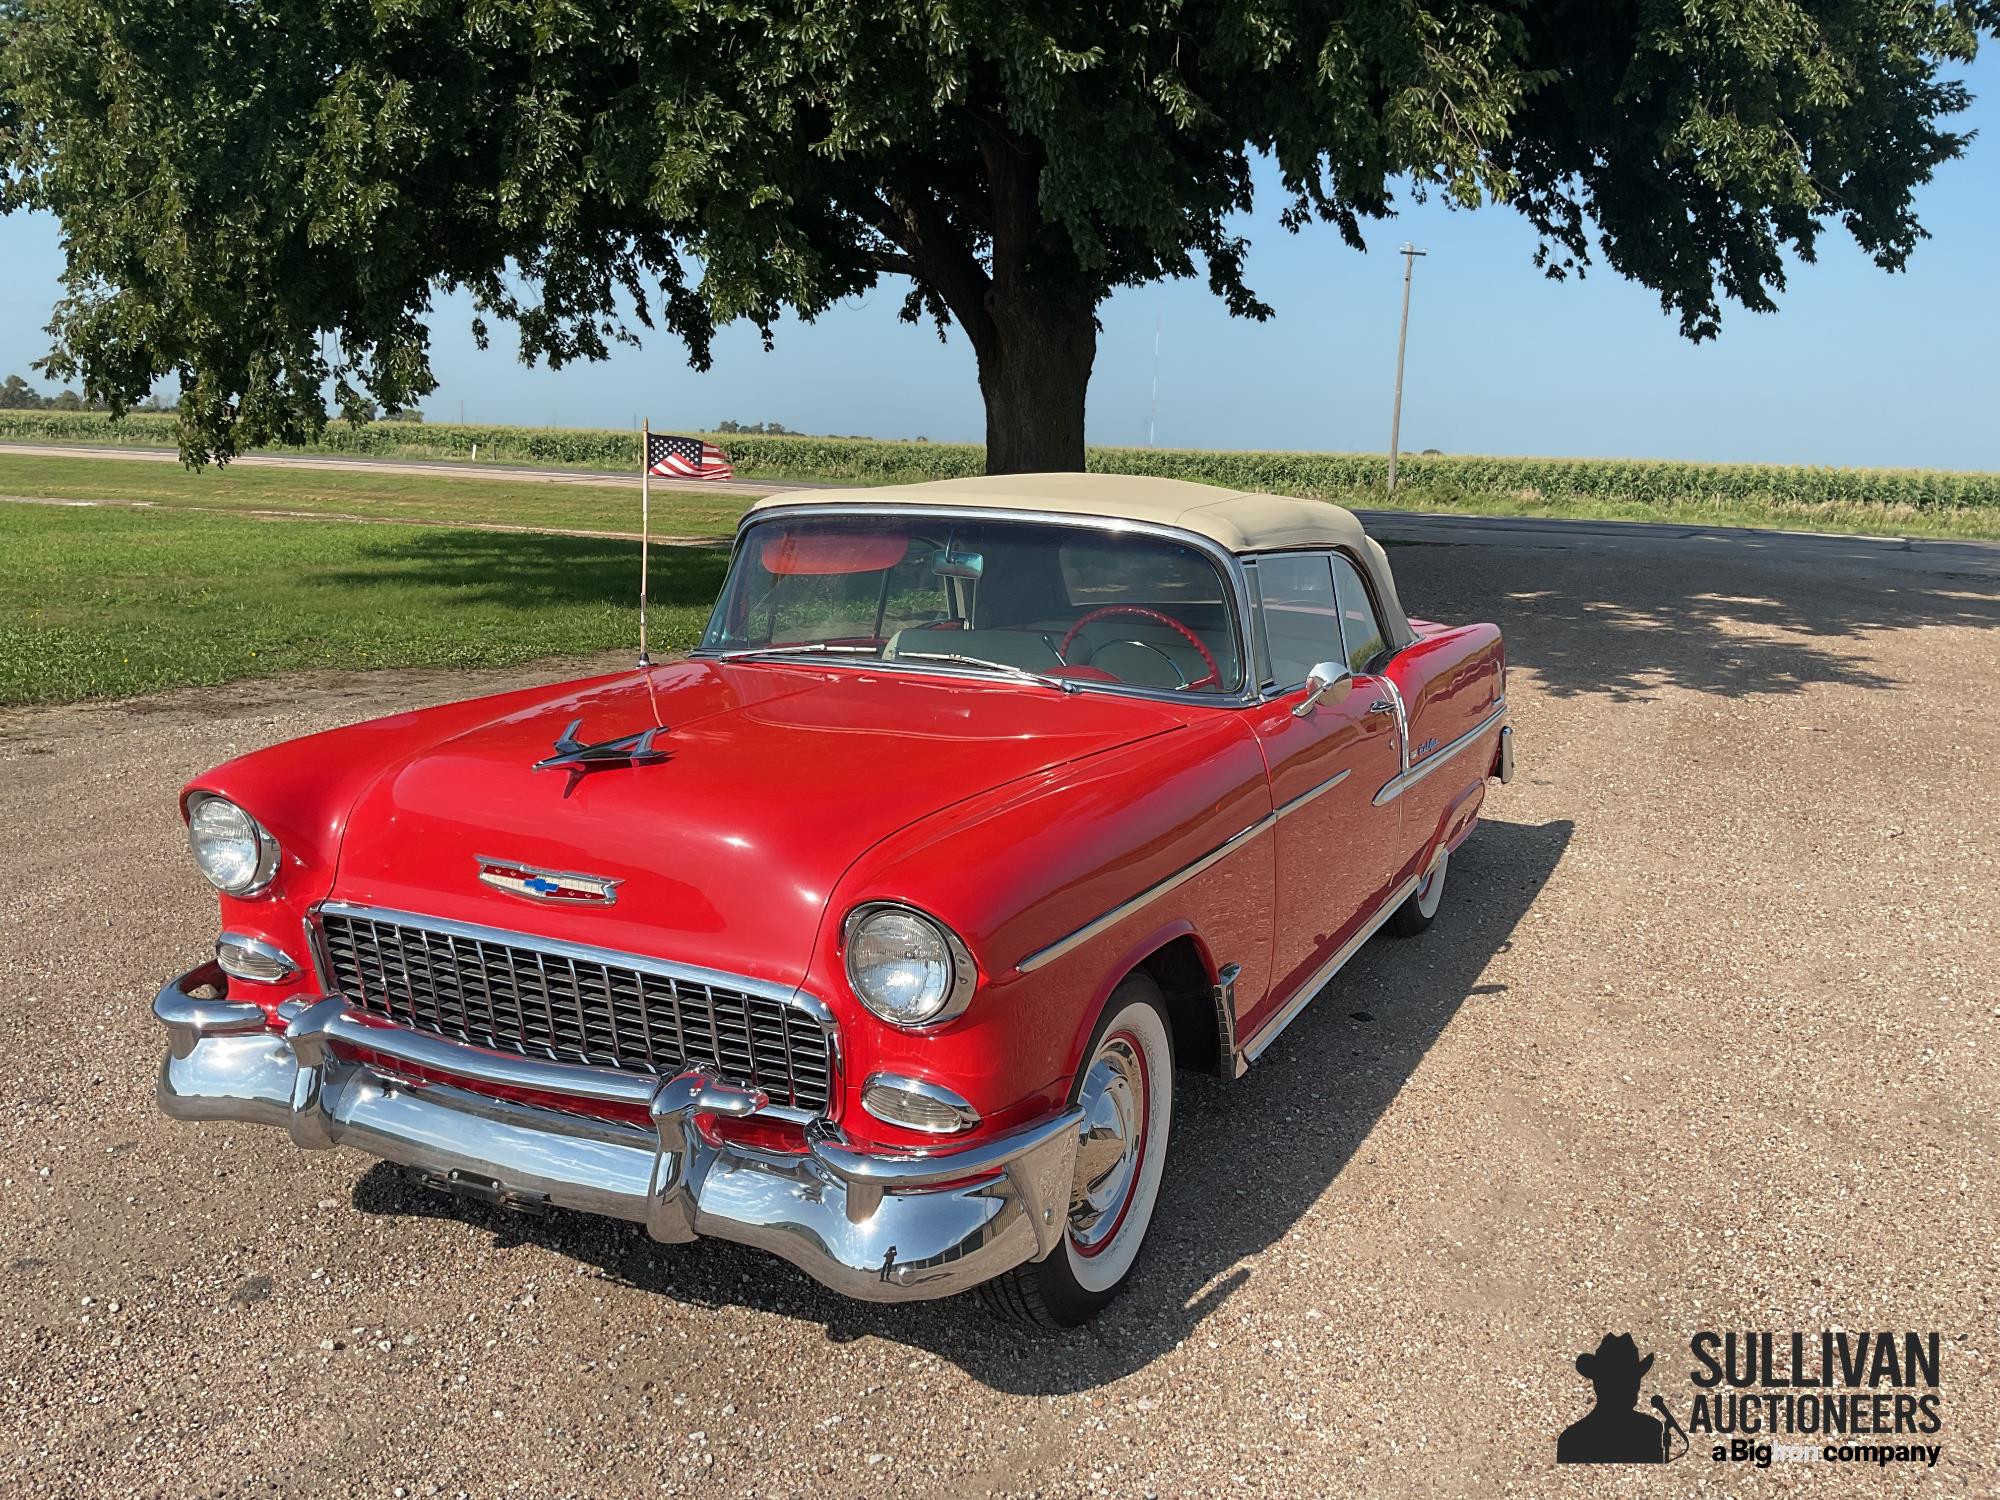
(1706, 1037)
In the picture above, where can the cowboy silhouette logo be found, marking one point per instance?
(1615, 1432)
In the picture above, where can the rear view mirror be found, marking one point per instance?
(949, 564)
(1329, 677)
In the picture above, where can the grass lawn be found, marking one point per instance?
(422, 497)
(97, 603)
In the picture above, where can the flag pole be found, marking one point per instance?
(645, 527)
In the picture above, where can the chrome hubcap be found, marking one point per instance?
(1111, 1141)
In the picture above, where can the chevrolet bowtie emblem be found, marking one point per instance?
(546, 885)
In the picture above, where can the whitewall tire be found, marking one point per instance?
(1126, 1092)
(1422, 904)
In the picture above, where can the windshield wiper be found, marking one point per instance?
(1060, 684)
(803, 648)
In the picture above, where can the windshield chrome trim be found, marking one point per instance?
(1227, 562)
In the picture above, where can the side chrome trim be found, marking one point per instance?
(1307, 992)
(1402, 716)
(1070, 943)
(1396, 785)
(1306, 796)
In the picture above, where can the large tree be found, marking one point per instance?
(261, 198)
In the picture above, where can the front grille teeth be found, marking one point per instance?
(515, 996)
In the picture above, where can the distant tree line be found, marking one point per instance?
(779, 429)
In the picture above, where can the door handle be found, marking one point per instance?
(1381, 706)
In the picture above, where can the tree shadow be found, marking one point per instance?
(530, 571)
(1736, 618)
(1248, 1160)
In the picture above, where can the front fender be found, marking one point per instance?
(1017, 870)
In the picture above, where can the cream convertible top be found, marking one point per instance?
(1241, 521)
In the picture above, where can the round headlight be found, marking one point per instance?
(908, 968)
(231, 848)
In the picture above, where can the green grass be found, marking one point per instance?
(466, 499)
(102, 603)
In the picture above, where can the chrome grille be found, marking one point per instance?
(504, 992)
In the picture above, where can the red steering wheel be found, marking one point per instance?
(1214, 677)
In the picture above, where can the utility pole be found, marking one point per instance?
(1153, 416)
(1410, 254)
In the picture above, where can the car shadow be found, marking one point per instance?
(1249, 1159)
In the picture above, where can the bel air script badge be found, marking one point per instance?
(546, 885)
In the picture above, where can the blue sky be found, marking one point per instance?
(1857, 367)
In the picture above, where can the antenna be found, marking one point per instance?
(645, 527)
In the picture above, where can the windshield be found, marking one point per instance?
(1071, 603)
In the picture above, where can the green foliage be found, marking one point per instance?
(261, 198)
(1357, 478)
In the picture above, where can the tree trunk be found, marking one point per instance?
(1034, 368)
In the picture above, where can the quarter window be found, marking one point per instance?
(1359, 626)
(1301, 624)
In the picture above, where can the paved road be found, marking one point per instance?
(598, 477)
(1707, 1037)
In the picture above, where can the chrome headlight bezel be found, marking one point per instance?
(264, 867)
(949, 1004)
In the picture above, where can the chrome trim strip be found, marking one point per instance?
(1306, 796)
(1396, 785)
(1230, 565)
(331, 1021)
(1180, 877)
(1402, 719)
(1307, 992)
(964, 1116)
(1068, 944)
(288, 966)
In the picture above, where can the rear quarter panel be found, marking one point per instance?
(1451, 680)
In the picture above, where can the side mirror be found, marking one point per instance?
(1328, 677)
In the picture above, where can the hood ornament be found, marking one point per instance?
(574, 756)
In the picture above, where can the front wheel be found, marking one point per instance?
(1126, 1093)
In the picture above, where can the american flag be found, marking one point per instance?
(686, 458)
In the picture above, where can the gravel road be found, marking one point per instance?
(1706, 1037)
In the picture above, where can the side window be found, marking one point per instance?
(1359, 626)
(1301, 625)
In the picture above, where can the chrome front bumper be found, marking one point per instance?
(869, 1225)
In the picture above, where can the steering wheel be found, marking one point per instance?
(1214, 677)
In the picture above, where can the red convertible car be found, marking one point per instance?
(872, 932)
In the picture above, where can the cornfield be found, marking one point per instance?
(1344, 476)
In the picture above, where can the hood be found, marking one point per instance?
(775, 778)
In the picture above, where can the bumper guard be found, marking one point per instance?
(877, 1226)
